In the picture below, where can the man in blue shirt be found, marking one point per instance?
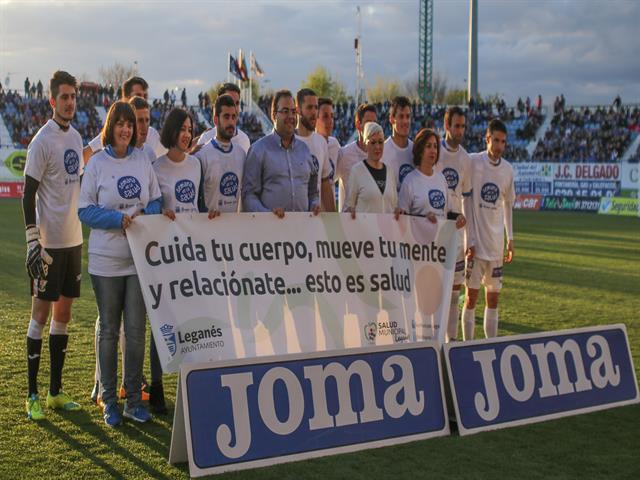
(280, 174)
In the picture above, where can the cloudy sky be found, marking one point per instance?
(587, 49)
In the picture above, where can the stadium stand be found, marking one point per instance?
(588, 135)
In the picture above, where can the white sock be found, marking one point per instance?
(454, 312)
(58, 328)
(35, 330)
(468, 323)
(490, 322)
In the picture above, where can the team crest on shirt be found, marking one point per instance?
(436, 199)
(405, 169)
(185, 191)
(129, 187)
(169, 338)
(71, 162)
(490, 192)
(452, 178)
(229, 184)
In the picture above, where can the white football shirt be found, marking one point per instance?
(125, 185)
(179, 183)
(222, 179)
(456, 167)
(320, 150)
(398, 160)
(54, 159)
(421, 194)
(492, 187)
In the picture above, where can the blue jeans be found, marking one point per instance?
(119, 297)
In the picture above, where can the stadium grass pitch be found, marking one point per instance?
(570, 270)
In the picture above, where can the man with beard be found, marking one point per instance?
(324, 127)
(280, 174)
(455, 164)
(239, 138)
(222, 161)
(307, 105)
(398, 155)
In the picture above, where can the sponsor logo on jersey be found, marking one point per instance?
(229, 184)
(129, 187)
(436, 199)
(490, 192)
(452, 177)
(405, 169)
(185, 191)
(71, 162)
(169, 338)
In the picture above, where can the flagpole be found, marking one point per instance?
(228, 66)
(250, 83)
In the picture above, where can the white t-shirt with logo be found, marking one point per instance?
(125, 185)
(153, 141)
(350, 155)
(222, 176)
(54, 159)
(492, 187)
(421, 194)
(240, 139)
(179, 183)
(399, 160)
(457, 169)
(320, 150)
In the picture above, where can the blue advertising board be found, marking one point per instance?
(520, 379)
(254, 412)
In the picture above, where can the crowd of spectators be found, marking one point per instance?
(23, 116)
(588, 134)
(578, 135)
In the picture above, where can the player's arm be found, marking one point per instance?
(509, 200)
(37, 257)
(467, 211)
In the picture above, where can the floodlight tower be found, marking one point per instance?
(425, 51)
(472, 88)
(359, 97)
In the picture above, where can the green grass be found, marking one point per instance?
(570, 270)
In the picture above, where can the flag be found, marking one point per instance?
(233, 67)
(242, 65)
(255, 68)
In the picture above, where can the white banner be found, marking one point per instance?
(630, 176)
(248, 285)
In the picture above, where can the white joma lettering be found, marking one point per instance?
(553, 381)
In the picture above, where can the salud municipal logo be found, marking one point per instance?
(169, 338)
(370, 331)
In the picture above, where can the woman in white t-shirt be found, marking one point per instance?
(372, 186)
(424, 191)
(118, 185)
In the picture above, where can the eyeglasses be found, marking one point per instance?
(287, 111)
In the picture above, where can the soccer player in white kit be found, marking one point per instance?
(239, 138)
(222, 161)
(455, 164)
(132, 87)
(307, 107)
(493, 194)
(54, 239)
(353, 153)
(398, 149)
